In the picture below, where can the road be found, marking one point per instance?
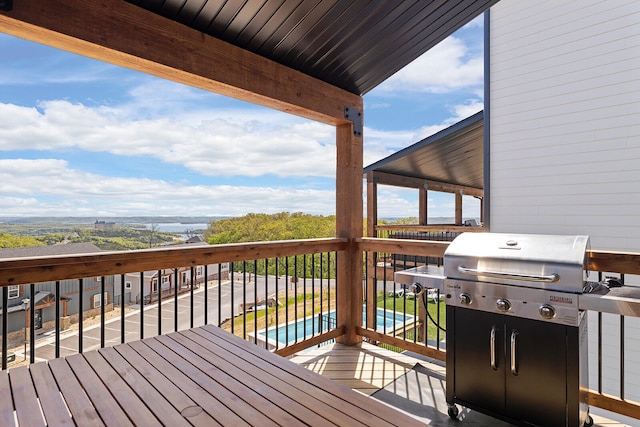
(91, 340)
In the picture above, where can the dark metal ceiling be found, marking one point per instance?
(454, 155)
(354, 45)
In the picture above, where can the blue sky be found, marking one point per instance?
(79, 137)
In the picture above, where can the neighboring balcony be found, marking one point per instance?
(284, 296)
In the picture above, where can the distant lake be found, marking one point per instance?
(176, 227)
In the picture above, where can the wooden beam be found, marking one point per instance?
(615, 262)
(126, 35)
(310, 342)
(349, 225)
(403, 246)
(411, 182)
(404, 344)
(614, 404)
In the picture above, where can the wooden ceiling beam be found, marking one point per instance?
(123, 34)
(385, 178)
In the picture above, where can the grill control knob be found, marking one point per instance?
(547, 311)
(503, 305)
(464, 298)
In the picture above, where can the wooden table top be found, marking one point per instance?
(203, 377)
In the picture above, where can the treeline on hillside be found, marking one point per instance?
(281, 226)
(121, 239)
(255, 227)
(118, 239)
(11, 241)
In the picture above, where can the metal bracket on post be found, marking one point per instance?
(354, 116)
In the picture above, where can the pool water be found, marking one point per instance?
(295, 331)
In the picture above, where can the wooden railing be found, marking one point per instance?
(606, 262)
(62, 268)
(293, 271)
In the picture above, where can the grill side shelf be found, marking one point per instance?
(430, 277)
(624, 301)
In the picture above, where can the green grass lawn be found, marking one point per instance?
(411, 305)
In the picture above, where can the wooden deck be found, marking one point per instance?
(391, 377)
(201, 377)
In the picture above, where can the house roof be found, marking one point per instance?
(454, 155)
(354, 45)
(38, 251)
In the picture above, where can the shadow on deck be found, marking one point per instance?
(408, 382)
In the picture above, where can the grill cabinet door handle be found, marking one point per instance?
(514, 364)
(515, 276)
(492, 341)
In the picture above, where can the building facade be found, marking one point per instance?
(21, 300)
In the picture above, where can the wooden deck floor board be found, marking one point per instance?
(53, 406)
(25, 398)
(6, 401)
(82, 410)
(110, 412)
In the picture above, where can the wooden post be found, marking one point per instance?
(349, 224)
(458, 207)
(423, 208)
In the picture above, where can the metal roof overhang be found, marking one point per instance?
(354, 45)
(449, 160)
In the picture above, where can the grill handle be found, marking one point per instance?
(492, 340)
(515, 276)
(514, 364)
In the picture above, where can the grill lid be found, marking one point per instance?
(553, 262)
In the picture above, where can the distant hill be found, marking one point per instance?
(116, 219)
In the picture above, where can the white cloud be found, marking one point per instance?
(459, 112)
(286, 148)
(447, 67)
(49, 187)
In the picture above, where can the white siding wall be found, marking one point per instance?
(565, 137)
(565, 119)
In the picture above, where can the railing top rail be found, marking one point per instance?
(429, 228)
(16, 271)
(403, 246)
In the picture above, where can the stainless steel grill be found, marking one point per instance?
(516, 337)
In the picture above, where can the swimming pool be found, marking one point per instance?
(386, 320)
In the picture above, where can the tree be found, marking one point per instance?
(11, 241)
(281, 226)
